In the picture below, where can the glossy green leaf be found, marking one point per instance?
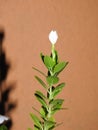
(52, 80)
(59, 67)
(40, 94)
(41, 82)
(43, 112)
(41, 100)
(58, 89)
(36, 120)
(49, 62)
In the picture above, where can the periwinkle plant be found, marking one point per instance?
(50, 104)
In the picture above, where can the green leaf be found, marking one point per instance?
(59, 67)
(52, 80)
(49, 62)
(57, 103)
(36, 120)
(49, 125)
(43, 112)
(58, 89)
(57, 109)
(39, 71)
(40, 94)
(41, 100)
(41, 82)
(3, 127)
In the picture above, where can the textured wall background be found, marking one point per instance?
(26, 25)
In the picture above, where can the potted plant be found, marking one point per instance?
(50, 104)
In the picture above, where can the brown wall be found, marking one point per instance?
(26, 24)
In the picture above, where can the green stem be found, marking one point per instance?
(49, 106)
(53, 51)
(50, 92)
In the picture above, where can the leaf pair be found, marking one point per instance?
(51, 80)
(53, 66)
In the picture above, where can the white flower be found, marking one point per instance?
(53, 36)
(3, 119)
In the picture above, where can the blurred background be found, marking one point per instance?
(24, 29)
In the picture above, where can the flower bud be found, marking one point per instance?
(53, 37)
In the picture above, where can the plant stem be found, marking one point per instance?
(53, 52)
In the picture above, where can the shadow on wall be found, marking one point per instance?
(6, 106)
